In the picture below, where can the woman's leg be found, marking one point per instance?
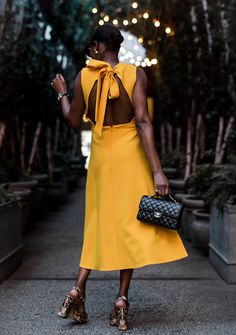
(74, 301)
(82, 277)
(125, 278)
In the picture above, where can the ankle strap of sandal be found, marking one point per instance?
(76, 288)
(123, 297)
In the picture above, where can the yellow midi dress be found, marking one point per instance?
(118, 176)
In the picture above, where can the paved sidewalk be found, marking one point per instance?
(183, 297)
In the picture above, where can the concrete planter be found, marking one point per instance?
(58, 190)
(177, 185)
(33, 185)
(190, 204)
(171, 173)
(23, 195)
(10, 239)
(200, 230)
(39, 203)
(42, 178)
(179, 197)
(30, 184)
(223, 241)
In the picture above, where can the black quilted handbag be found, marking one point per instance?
(161, 211)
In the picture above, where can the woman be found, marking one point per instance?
(123, 166)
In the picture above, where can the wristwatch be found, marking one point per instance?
(61, 95)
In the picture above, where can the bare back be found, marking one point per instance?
(119, 110)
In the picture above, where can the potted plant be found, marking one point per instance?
(196, 213)
(58, 183)
(173, 165)
(222, 196)
(200, 230)
(23, 196)
(10, 233)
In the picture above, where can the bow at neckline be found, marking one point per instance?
(107, 87)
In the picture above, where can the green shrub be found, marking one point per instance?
(223, 187)
(201, 180)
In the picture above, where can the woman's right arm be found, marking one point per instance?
(145, 131)
(72, 112)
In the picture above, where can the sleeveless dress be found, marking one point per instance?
(118, 176)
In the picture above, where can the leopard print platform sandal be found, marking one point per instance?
(74, 308)
(119, 315)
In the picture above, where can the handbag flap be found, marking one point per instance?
(165, 206)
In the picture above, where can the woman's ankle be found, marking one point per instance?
(76, 290)
(121, 300)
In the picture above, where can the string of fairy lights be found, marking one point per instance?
(136, 17)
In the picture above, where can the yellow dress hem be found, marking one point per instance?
(162, 261)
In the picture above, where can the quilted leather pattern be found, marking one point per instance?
(160, 211)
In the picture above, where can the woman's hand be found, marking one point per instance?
(59, 84)
(161, 183)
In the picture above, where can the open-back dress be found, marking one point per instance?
(118, 175)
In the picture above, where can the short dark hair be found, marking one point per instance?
(109, 35)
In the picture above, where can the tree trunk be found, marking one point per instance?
(170, 137)
(163, 139)
(19, 18)
(2, 132)
(219, 139)
(178, 139)
(227, 132)
(49, 153)
(22, 148)
(197, 141)
(34, 147)
(188, 149)
(2, 15)
(207, 24)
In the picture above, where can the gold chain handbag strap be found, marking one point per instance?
(159, 196)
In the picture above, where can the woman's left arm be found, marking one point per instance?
(72, 112)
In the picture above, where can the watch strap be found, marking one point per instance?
(61, 95)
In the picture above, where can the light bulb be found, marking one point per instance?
(154, 61)
(137, 63)
(143, 64)
(140, 40)
(132, 61)
(125, 22)
(168, 30)
(157, 23)
(115, 22)
(145, 15)
(106, 18)
(130, 37)
(139, 58)
(134, 20)
(135, 5)
(94, 10)
(136, 47)
(101, 22)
